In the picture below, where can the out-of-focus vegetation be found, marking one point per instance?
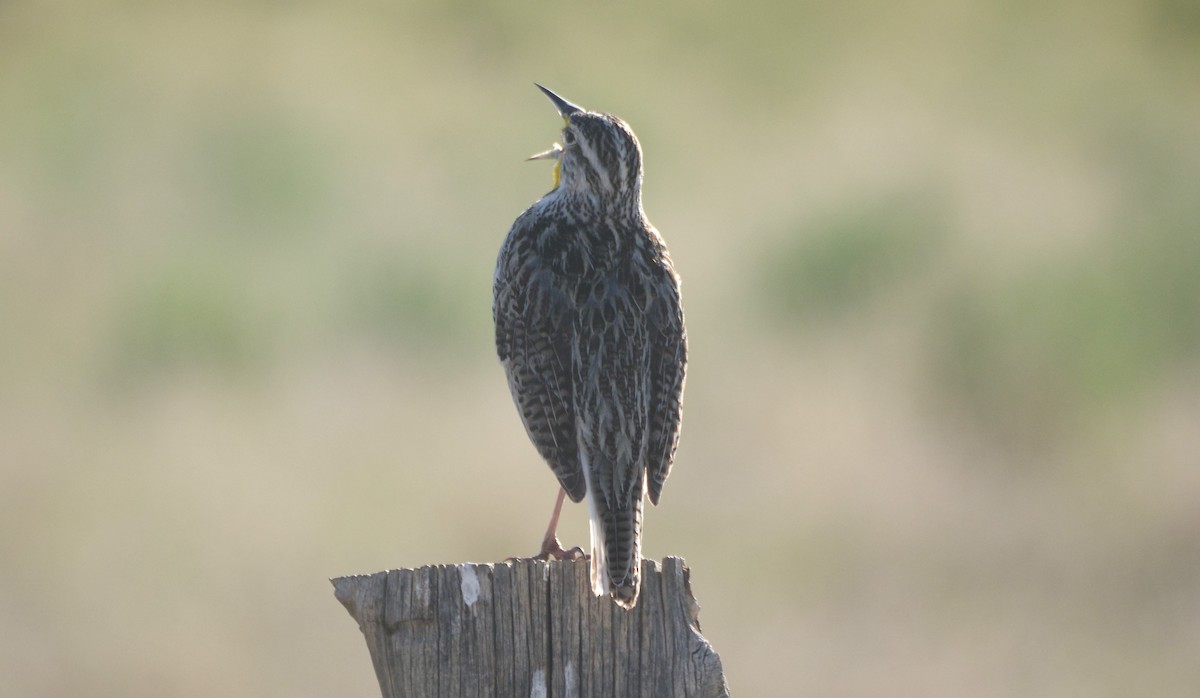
(942, 273)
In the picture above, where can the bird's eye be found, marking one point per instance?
(568, 137)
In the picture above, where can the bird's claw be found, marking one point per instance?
(553, 550)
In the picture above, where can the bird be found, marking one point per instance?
(590, 332)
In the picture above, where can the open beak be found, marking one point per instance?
(565, 110)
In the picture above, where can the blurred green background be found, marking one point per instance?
(941, 266)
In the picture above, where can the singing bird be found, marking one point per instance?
(589, 329)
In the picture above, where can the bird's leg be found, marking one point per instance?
(551, 548)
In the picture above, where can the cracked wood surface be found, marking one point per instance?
(531, 628)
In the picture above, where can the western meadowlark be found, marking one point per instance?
(589, 328)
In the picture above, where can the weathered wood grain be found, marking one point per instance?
(531, 628)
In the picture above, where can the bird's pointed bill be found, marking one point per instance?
(554, 153)
(565, 108)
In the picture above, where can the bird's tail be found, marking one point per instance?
(616, 536)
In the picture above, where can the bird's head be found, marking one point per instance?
(599, 155)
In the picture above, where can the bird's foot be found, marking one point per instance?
(553, 550)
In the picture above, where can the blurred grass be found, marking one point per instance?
(942, 272)
(831, 269)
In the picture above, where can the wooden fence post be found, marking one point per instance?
(531, 628)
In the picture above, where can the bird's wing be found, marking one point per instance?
(668, 363)
(631, 353)
(611, 379)
(533, 319)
